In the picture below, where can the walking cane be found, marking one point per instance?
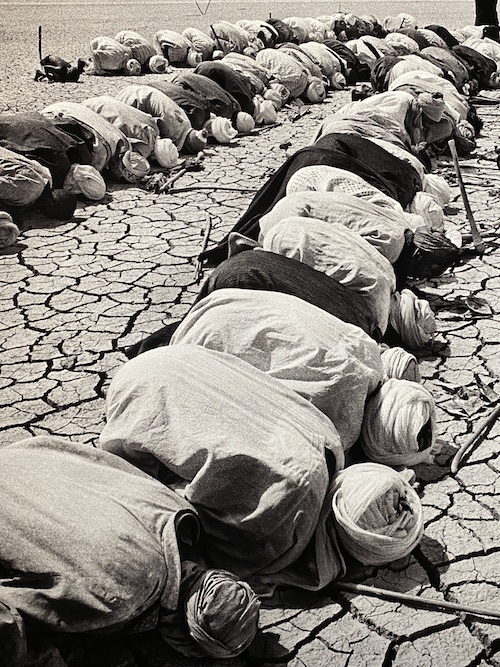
(476, 236)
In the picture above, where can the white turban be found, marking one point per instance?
(400, 364)
(425, 205)
(221, 129)
(437, 187)
(264, 111)
(413, 319)
(378, 515)
(166, 153)
(9, 231)
(85, 179)
(399, 424)
(158, 64)
(133, 166)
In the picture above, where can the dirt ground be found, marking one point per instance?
(74, 295)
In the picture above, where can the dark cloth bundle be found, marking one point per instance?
(61, 71)
(381, 69)
(358, 71)
(285, 33)
(393, 176)
(41, 139)
(233, 83)
(221, 102)
(259, 270)
(196, 106)
(480, 66)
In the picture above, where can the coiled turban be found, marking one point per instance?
(399, 425)
(400, 364)
(222, 614)
(378, 515)
(413, 319)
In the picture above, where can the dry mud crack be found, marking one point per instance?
(73, 296)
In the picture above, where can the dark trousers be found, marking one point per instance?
(486, 12)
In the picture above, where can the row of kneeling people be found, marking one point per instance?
(265, 439)
(48, 159)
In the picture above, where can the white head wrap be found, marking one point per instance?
(9, 231)
(378, 515)
(166, 153)
(399, 424)
(158, 64)
(400, 364)
(316, 90)
(221, 129)
(193, 58)
(132, 67)
(85, 179)
(133, 166)
(425, 205)
(413, 319)
(437, 187)
(244, 122)
(264, 111)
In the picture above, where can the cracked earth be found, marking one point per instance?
(74, 295)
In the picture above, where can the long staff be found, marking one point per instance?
(414, 600)
(473, 437)
(476, 235)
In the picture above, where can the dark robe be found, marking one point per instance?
(357, 71)
(480, 66)
(196, 107)
(486, 12)
(381, 70)
(39, 138)
(395, 177)
(445, 35)
(220, 102)
(260, 270)
(233, 83)
(285, 33)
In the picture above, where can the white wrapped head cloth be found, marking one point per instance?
(377, 513)
(316, 91)
(133, 166)
(222, 614)
(400, 364)
(166, 153)
(222, 130)
(132, 67)
(399, 425)
(158, 64)
(85, 179)
(9, 231)
(426, 206)
(437, 187)
(413, 319)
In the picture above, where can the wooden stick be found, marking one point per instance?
(476, 236)
(40, 43)
(198, 273)
(473, 437)
(415, 600)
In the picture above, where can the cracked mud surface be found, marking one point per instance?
(74, 295)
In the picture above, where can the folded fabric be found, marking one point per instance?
(400, 364)
(349, 201)
(342, 254)
(413, 319)
(328, 362)
(108, 55)
(378, 515)
(172, 121)
(140, 48)
(399, 427)
(140, 127)
(437, 187)
(22, 181)
(248, 452)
